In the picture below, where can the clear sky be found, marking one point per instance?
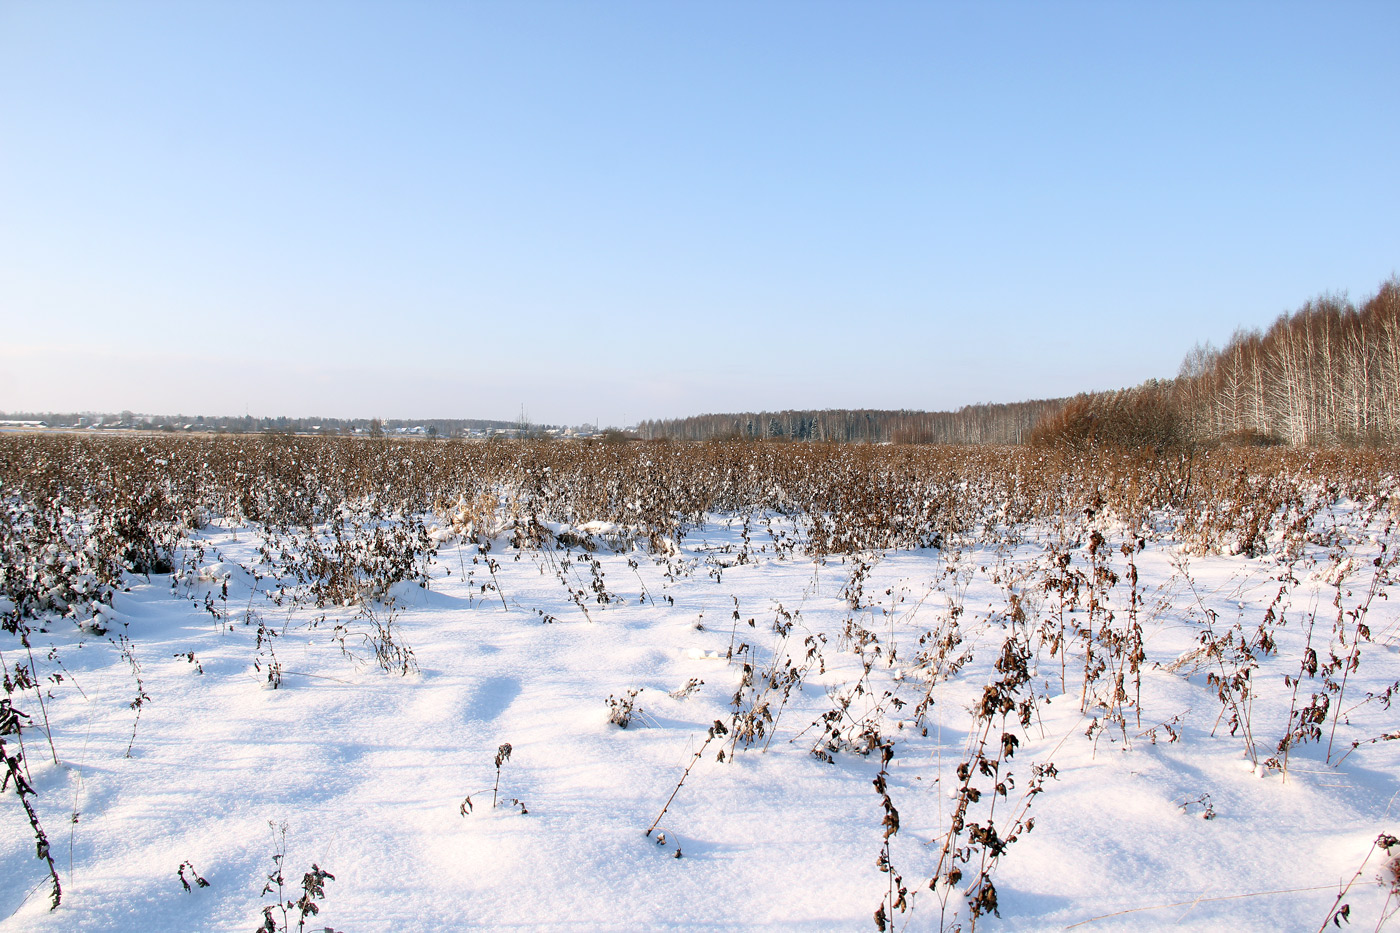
(618, 211)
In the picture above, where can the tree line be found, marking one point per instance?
(1009, 423)
(1328, 373)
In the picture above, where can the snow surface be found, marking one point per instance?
(369, 769)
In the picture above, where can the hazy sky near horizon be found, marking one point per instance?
(631, 210)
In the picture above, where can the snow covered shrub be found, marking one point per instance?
(1389, 877)
(975, 846)
(359, 559)
(503, 754)
(194, 876)
(15, 773)
(379, 631)
(716, 731)
(391, 652)
(473, 518)
(622, 710)
(1340, 911)
(897, 896)
(690, 686)
(48, 565)
(313, 890)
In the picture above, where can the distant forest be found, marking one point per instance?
(1328, 373)
(973, 424)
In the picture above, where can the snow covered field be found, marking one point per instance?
(1078, 715)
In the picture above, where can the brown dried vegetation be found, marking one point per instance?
(345, 523)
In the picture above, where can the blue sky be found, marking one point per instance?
(617, 211)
